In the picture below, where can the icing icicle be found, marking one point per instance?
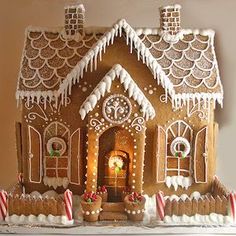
(135, 39)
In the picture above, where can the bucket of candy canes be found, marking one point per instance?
(102, 192)
(91, 206)
(134, 206)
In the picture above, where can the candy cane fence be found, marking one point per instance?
(232, 205)
(3, 205)
(160, 205)
(68, 203)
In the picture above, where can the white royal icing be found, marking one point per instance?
(195, 195)
(56, 181)
(40, 219)
(212, 219)
(48, 194)
(130, 86)
(178, 181)
(143, 52)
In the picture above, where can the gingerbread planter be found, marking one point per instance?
(91, 210)
(134, 210)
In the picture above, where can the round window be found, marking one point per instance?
(56, 145)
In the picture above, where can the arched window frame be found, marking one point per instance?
(65, 135)
(183, 130)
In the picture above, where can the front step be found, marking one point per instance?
(113, 211)
(113, 207)
(112, 216)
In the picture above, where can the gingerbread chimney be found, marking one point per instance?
(170, 19)
(74, 19)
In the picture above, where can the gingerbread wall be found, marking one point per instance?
(69, 116)
(45, 13)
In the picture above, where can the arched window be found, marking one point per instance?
(179, 137)
(56, 153)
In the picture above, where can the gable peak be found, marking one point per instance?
(117, 71)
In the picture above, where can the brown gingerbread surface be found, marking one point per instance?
(131, 107)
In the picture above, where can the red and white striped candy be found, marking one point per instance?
(160, 205)
(232, 205)
(68, 203)
(3, 205)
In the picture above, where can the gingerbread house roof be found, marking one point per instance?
(117, 71)
(184, 64)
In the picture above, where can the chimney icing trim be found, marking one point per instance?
(170, 19)
(74, 21)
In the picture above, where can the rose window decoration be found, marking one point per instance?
(116, 108)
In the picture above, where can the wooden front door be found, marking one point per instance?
(114, 161)
(116, 167)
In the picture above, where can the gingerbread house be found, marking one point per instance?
(119, 107)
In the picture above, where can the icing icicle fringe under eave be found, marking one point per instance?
(95, 53)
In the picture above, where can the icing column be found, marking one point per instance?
(138, 161)
(138, 130)
(92, 161)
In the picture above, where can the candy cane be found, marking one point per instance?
(68, 203)
(3, 205)
(232, 203)
(160, 205)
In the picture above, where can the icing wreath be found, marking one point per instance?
(175, 150)
(56, 146)
(116, 163)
